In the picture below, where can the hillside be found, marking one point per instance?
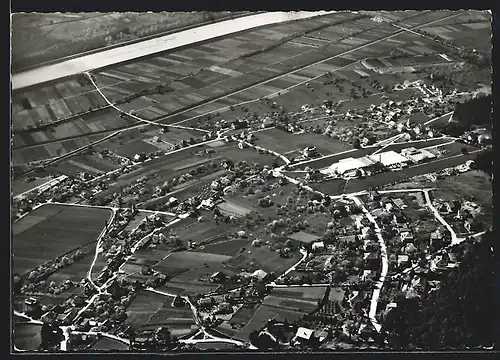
(457, 316)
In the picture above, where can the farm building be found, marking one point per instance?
(389, 159)
(303, 239)
(303, 335)
(259, 275)
(318, 246)
(417, 155)
(349, 165)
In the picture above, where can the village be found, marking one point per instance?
(297, 220)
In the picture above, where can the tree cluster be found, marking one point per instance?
(457, 316)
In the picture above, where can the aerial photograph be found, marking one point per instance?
(188, 182)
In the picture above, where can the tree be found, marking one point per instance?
(356, 143)
(464, 150)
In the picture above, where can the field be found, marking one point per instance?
(31, 153)
(329, 160)
(260, 318)
(209, 90)
(44, 37)
(214, 346)
(153, 310)
(301, 293)
(19, 186)
(105, 344)
(191, 271)
(302, 306)
(383, 179)
(256, 258)
(53, 230)
(283, 142)
(472, 28)
(27, 336)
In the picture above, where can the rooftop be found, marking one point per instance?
(349, 164)
(304, 333)
(389, 158)
(303, 237)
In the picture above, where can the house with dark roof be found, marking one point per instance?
(239, 124)
(303, 239)
(373, 262)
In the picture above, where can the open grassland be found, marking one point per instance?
(53, 230)
(39, 37)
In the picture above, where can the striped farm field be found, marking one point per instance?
(208, 77)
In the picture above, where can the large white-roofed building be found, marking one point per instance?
(417, 155)
(390, 159)
(346, 166)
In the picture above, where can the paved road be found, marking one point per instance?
(149, 47)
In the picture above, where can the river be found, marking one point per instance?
(152, 46)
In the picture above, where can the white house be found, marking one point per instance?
(318, 246)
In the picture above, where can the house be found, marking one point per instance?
(138, 157)
(303, 239)
(218, 277)
(205, 301)
(321, 335)
(436, 235)
(399, 203)
(239, 124)
(225, 308)
(179, 301)
(259, 275)
(215, 185)
(402, 259)
(267, 123)
(318, 246)
(367, 331)
(373, 261)
(348, 238)
(303, 335)
(406, 236)
(310, 151)
(365, 275)
(31, 305)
